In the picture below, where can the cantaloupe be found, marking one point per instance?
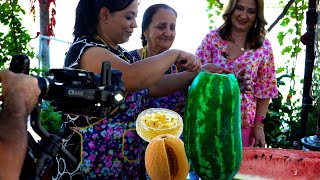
(166, 159)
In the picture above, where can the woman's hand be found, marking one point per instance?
(214, 69)
(258, 135)
(244, 78)
(188, 61)
(245, 81)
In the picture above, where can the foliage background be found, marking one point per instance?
(15, 39)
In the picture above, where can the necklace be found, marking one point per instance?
(144, 52)
(144, 56)
(239, 47)
(121, 52)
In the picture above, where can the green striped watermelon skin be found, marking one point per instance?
(212, 126)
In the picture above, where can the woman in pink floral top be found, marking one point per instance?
(240, 43)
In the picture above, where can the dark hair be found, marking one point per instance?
(256, 33)
(87, 13)
(148, 15)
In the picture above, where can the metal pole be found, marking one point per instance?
(318, 122)
(310, 142)
(309, 64)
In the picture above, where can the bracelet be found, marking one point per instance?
(258, 126)
(259, 118)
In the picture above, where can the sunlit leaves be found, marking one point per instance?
(14, 38)
(214, 11)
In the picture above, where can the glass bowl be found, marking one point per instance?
(156, 121)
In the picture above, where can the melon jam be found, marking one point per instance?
(156, 121)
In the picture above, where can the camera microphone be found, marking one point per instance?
(20, 63)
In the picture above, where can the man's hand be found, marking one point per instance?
(20, 93)
(19, 89)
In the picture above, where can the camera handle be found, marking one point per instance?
(43, 153)
(50, 145)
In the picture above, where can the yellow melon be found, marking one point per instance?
(166, 158)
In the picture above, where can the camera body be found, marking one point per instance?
(75, 91)
(80, 92)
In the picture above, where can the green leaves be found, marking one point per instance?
(214, 11)
(50, 120)
(14, 38)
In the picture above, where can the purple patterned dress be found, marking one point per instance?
(107, 148)
(175, 101)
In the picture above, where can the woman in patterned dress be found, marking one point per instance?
(241, 43)
(158, 34)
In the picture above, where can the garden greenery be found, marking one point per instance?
(15, 39)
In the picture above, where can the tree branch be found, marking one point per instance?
(285, 10)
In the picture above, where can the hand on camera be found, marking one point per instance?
(19, 88)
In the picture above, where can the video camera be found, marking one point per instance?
(76, 91)
(71, 91)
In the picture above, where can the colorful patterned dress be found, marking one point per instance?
(259, 64)
(175, 101)
(107, 148)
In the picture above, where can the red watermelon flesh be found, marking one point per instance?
(277, 164)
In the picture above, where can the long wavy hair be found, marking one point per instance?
(87, 13)
(257, 32)
(148, 15)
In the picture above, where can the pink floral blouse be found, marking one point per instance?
(259, 64)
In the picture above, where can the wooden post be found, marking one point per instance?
(44, 50)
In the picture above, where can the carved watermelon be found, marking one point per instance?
(212, 131)
(285, 164)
